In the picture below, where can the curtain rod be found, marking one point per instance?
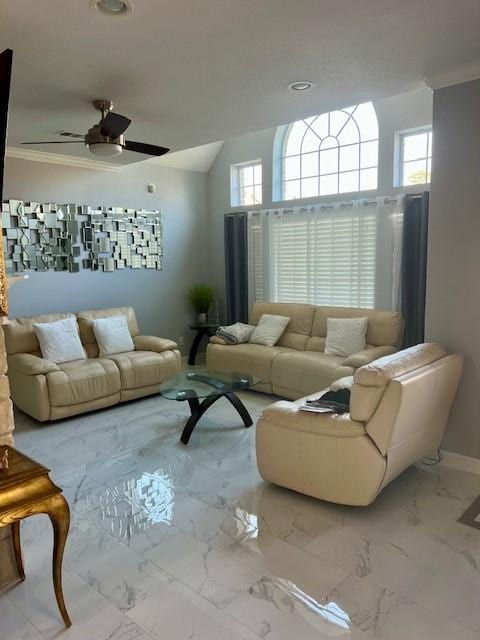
(323, 207)
(366, 203)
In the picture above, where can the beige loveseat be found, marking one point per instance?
(297, 364)
(399, 407)
(48, 391)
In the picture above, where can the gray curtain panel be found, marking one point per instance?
(236, 267)
(414, 267)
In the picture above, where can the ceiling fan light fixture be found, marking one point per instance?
(105, 149)
(112, 7)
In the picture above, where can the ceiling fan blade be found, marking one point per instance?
(56, 142)
(149, 149)
(114, 125)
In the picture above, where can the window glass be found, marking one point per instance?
(334, 152)
(416, 157)
(246, 184)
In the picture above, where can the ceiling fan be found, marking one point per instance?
(106, 138)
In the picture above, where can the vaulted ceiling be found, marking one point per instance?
(190, 72)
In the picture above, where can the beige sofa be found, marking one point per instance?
(296, 365)
(47, 391)
(399, 407)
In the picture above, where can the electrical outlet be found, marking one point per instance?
(181, 341)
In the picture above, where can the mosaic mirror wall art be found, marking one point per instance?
(67, 237)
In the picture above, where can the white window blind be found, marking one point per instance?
(326, 255)
(256, 261)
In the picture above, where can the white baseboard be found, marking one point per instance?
(462, 463)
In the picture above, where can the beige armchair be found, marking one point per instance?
(399, 407)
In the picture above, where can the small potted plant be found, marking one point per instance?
(201, 296)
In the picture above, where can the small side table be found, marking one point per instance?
(26, 490)
(207, 330)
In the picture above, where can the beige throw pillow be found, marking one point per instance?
(112, 335)
(346, 336)
(59, 341)
(269, 330)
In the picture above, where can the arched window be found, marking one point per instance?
(335, 152)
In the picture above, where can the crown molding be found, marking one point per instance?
(454, 75)
(57, 158)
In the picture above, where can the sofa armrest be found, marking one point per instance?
(368, 355)
(289, 415)
(31, 365)
(218, 340)
(153, 343)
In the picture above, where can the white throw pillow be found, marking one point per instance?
(59, 341)
(269, 329)
(346, 336)
(112, 335)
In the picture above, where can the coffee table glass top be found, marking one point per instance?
(202, 383)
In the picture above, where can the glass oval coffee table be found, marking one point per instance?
(207, 386)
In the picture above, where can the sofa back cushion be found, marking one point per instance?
(371, 381)
(298, 329)
(20, 336)
(85, 323)
(385, 328)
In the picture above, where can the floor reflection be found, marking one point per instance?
(136, 504)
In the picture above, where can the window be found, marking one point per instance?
(416, 157)
(246, 184)
(327, 257)
(336, 152)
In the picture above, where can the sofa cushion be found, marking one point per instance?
(144, 368)
(85, 318)
(269, 330)
(307, 371)
(59, 341)
(20, 335)
(82, 381)
(379, 372)
(298, 329)
(112, 335)
(371, 380)
(345, 336)
(254, 359)
(384, 327)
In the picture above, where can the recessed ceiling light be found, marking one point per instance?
(112, 7)
(301, 85)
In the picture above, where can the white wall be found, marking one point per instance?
(157, 296)
(405, 111)
(453, 300)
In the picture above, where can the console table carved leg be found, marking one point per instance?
(26, 490)
(57, 509)
(17, 549)
(59, 515)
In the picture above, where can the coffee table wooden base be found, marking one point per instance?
(198, 408)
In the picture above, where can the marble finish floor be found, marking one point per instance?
(187, 543)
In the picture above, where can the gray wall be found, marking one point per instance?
(404, 111)
(453, 300)
(157, 296)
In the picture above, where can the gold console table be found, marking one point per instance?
(26, 490)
